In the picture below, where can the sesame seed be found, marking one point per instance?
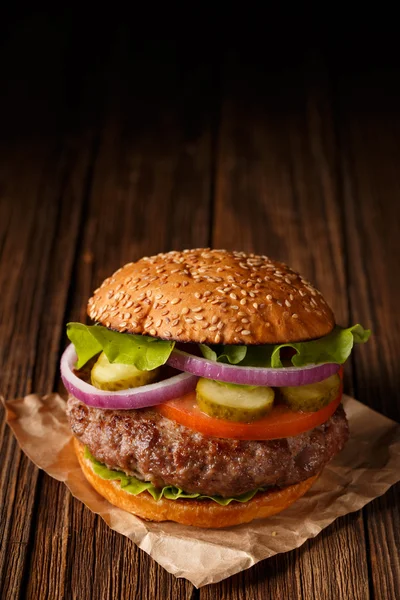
(243, 301)
(119, 286)
(207, 293)
(175, 301)
(197, 295)
(213, 328)
(153, 332)
(255, 305)
(175, 322)
(234, 307)
(189, 320)
(233, 296)
(158, 323)
(246, 332)
(243, 292)
(197, 309)
(199, 317)
(164, 312)
(158, 296)
(214, 319)
(288, 303)
(179, 331)
(127, 315)
(217, 338)
(244, 320)
(122, 324)
(185, 310)
(137, 309)
(167, 334)
(129, 304)
(295, 316)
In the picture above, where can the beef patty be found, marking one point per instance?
(153, 448)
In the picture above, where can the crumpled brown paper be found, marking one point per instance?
(365, 469)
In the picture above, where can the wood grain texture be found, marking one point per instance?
(119, 143)
(370, 128)
(139, 188)
(277, 193)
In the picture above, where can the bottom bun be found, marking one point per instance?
(200, 513)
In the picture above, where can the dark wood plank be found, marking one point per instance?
(44, 161)
(276, 193)
(370, 129)
(150, 192)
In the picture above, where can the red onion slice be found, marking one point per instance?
(290, 376)
(141, 397)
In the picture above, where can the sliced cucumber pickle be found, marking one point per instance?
(115, 376)
(233, 402)
(311, 397)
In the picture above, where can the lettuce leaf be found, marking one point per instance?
(145, 353)
(231, 354)
(334, 347)
(135, 486)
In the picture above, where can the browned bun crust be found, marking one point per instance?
(199, 513)
(212, 296)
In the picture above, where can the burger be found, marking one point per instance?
(208, 389)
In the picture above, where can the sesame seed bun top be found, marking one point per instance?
(213, 297)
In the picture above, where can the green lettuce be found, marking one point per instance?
(334, 347)
(135, 486)
(232, 354)
(145, 353)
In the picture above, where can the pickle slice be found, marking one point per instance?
(233, 402)
(115, 376)
(311, 397)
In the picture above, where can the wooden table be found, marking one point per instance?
(116, 145)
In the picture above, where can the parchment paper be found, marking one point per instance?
(365, 469)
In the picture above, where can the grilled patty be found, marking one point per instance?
(153, 448)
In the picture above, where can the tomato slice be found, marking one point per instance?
(281, 422)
